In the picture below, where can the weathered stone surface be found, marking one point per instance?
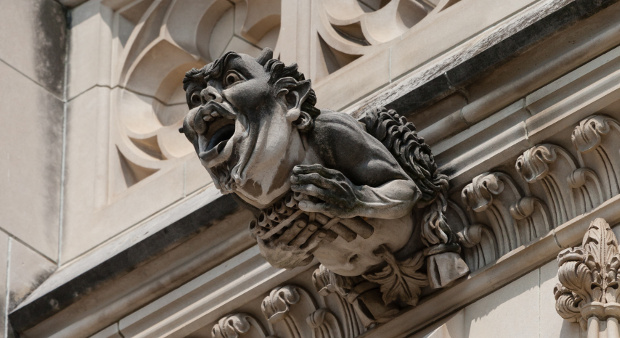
(468, 62)
(91, 48)
(85, 277)
(30, 185)
(33, 39)
(4, 261)
(27, 270)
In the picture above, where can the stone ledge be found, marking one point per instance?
(402, 97)
(67, 290)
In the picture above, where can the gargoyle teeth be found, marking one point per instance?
(212, 116)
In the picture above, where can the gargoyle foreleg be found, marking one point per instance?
(332, 193)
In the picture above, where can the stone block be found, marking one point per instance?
(446, 30)
(511, 311)
(196, 176)
(89, 199)
(551, 324)
(91, 47)
(32, 154)
(33, 39)
(353, 84)
(138, 203)
(27, 270)
(4, 259)
(222, 34)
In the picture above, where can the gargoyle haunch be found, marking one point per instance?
(363, 196)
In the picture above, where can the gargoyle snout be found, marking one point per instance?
(210, 94)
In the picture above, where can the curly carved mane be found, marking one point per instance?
(414, 156)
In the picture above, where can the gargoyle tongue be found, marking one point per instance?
(220, 137)
(213, 142)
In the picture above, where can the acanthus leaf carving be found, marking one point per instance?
(588, 277)
(477, 241)
(533, 218)
(586, 189)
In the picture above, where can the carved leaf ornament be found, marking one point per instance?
(400, 280)
(589, 276)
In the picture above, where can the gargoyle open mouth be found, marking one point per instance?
(218, 126)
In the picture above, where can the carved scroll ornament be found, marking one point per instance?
(362, 197)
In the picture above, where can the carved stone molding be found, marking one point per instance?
(596, 139)
(553, 167)
(506, 218)
(291, 311)
(505, 213)
(237, 325)
(588, 289)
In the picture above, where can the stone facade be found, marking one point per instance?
(117, 230)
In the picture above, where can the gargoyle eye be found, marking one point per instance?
(231, 78)
(195, 99)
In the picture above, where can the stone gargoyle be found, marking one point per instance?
(363, 197)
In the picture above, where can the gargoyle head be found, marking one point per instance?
(245, 119)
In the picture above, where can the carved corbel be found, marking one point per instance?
(238, 325)
(477, 240)
(292, 312)
(588, 289)
(551, 172)
(492, 194)
(324, 324)
(596, 139)
(513, 219)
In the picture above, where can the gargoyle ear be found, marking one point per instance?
(265, 55)
(294, 93)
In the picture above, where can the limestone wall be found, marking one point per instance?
(33, 39)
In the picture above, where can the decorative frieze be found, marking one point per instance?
(505, 213)
(291, 311)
